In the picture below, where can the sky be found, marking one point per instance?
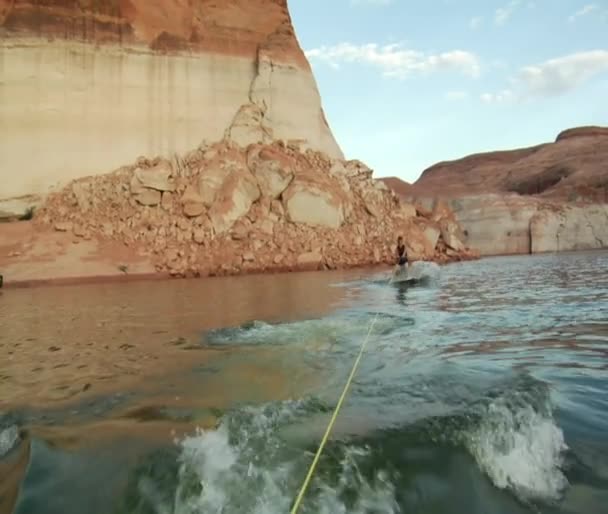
(408, 83)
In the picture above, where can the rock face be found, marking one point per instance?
(227, 209)
(550, 197)
(571, 168)
(572, 228)
(495, 224)
(92, 85)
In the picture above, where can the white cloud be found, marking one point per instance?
(553, 77)
(584, 11)
(394, 60)
(456, 95)
(475, 22)
(558, 76)
(502, 14)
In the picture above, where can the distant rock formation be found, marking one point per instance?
(550, 197)
(571, 168)
(87, 86)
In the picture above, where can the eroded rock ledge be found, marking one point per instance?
(546, 198)
(228, 209)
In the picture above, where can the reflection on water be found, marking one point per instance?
(63, 343)
(482, 391)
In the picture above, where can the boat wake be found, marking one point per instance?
(253, 463)
(417, 272)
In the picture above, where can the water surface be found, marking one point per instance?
(481, 391)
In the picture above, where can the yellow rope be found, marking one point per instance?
(298, 501)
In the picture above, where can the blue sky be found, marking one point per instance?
(408, 83)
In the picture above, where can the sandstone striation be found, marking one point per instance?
(550, 197)
(572, 168)
(87, 86)
(226, 209)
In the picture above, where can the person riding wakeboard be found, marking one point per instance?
(402, 260)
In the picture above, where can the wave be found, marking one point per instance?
(257, 457)
(520, 449)
(9, 437)
(344, 326)
(424, 270)
(244, 466)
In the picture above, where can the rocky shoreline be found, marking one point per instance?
(224, 209)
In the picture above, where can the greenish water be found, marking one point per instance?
(482, 391)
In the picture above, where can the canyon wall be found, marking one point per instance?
(550, 197)
(87, 86)
(183, 138)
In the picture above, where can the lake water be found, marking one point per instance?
(484, 390)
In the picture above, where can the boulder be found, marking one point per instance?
(451, 234)
(265, 227)
(193, 204)
(310, 260)
(373, 200)
(431, 233)
(135, 186)
(313, 205)
(233, 200)
(272, 169)
(260, 210)
(240, 231)
(157, 177)
(166, 201)
(210, 183)
(199, 236)
(148, 197)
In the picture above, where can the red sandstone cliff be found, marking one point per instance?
(549, 197)
(92, 84)
(232, 27)
(574, 166)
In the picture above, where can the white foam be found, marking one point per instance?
(378, 496)
(243, 467)
(418, 270)
(520, 449)
(8, 438)
(423, 269)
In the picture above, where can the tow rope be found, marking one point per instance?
(311, 470)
